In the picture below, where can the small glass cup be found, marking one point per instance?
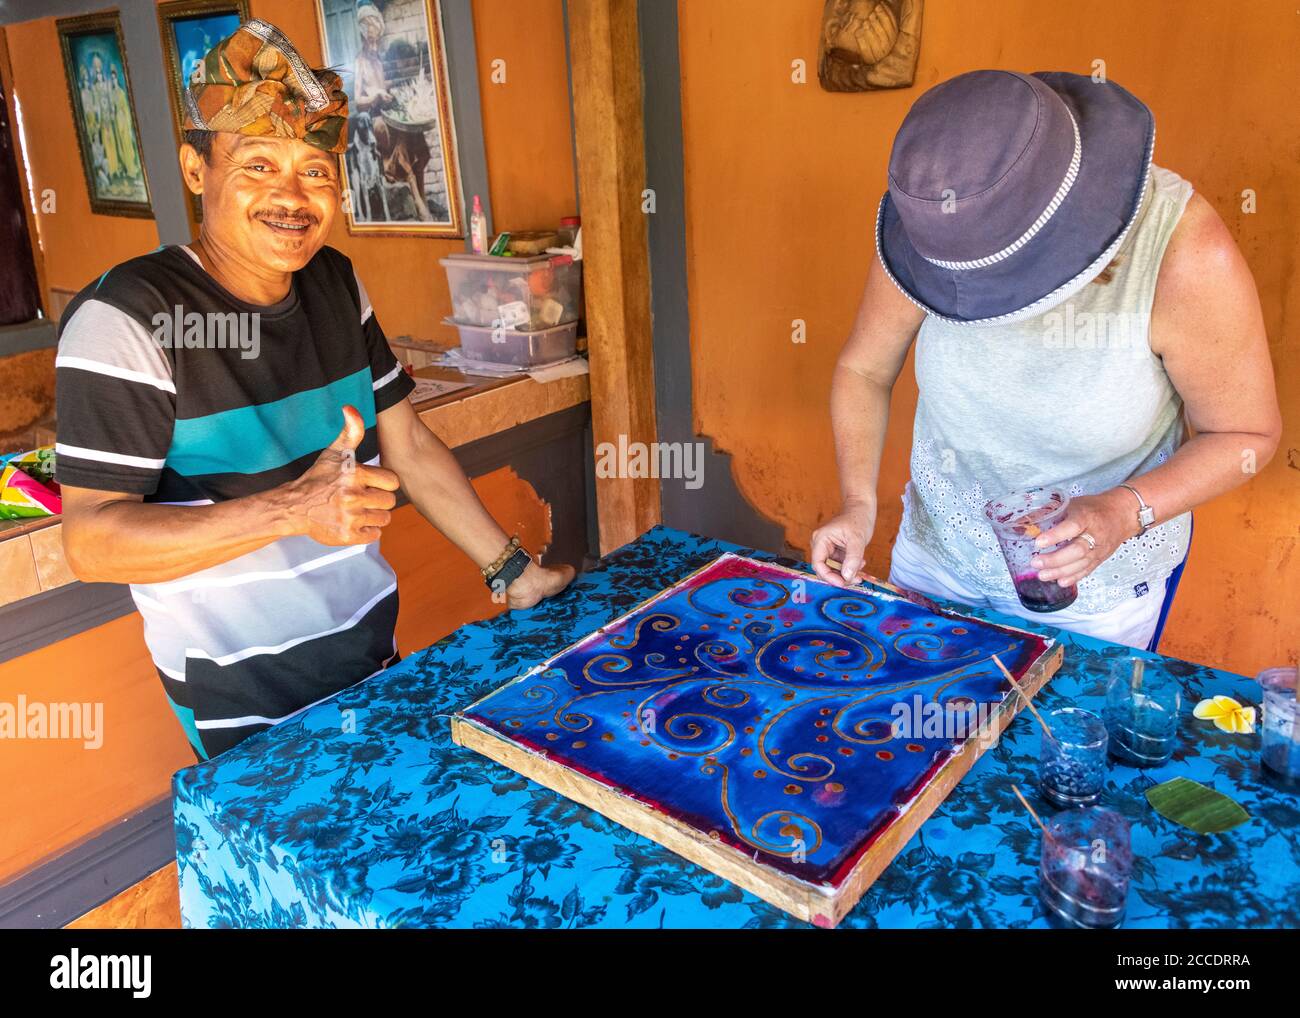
(1279, 750)
(1141, 713)
(1019, 518)
(1084, 870)
(1072, 764)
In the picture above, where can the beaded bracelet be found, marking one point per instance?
(495, 566)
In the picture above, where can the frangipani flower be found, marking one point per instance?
(1227, 714)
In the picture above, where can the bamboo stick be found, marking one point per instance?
(1033, 813)
(1028, 703)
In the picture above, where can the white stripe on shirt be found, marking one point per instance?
(113, 370)
(100, 456)
(193, 582)
(247, 652)
(387, 378)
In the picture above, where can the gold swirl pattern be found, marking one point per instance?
(797, 833)
(834, 658)
(685, 727)
(732, 586)
(909, 644)
(770, 758)
(716, 655)
(548, 694)
(659, 622)
(859, 728)
(573, 721)
(800, 834)
(852, 607)
(717, 695)
(755, 631)
(616, 663)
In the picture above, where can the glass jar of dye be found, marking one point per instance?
(1279, 749)
(1083, 874)
(1017, 520)
(1141, 712)
(1072, 764)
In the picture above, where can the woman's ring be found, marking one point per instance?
(1092, 541)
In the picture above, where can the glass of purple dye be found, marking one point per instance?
(1019, 518)
(1279, 749)
(1084, 871)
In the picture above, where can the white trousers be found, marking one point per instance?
(1131, 623)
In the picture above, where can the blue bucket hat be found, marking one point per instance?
(1010, 192)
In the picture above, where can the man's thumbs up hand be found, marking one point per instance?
(354, 430)
(338, 500)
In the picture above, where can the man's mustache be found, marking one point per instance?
(296, 218)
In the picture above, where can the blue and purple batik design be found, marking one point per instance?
(759, 705)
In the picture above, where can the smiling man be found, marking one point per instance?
(237, 486)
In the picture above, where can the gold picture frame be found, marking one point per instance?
(103, 114)
(200, 19)
(401, 162)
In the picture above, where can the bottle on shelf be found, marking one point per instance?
(478, 228)
(568, 231)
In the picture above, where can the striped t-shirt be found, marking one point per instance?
(172, 388)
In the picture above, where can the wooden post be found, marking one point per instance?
(605, 57)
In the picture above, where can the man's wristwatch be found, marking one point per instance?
(1146, 515)
(508, 567)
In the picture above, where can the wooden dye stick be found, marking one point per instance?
(838, 566)
(1025, 802)
(1138, 667)
(1028, 702)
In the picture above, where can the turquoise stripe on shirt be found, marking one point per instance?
(252, 439)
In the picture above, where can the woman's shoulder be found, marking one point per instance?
(1193, 242)
(1201, 248)
(1203, 271)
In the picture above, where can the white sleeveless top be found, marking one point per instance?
(1073, 397)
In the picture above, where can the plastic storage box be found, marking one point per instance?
(514, 346)
(525, 294)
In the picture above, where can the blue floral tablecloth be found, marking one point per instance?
(362, 812)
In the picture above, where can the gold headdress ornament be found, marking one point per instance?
(255, 82)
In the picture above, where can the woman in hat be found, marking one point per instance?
(1082, 320)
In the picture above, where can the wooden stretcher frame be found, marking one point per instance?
(819, 904)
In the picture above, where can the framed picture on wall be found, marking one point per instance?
(189, 29)
(400, 169)
(103, 114)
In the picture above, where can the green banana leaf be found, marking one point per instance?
(1197, 807)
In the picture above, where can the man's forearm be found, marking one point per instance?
(859, 417)
(439, 489)
(115, 537)
(126, 541)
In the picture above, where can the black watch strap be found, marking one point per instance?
(512, 569)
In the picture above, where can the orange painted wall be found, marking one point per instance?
(782, 183)
(526, 137)
(54, 793)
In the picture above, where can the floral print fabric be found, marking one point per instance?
(361, 812)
